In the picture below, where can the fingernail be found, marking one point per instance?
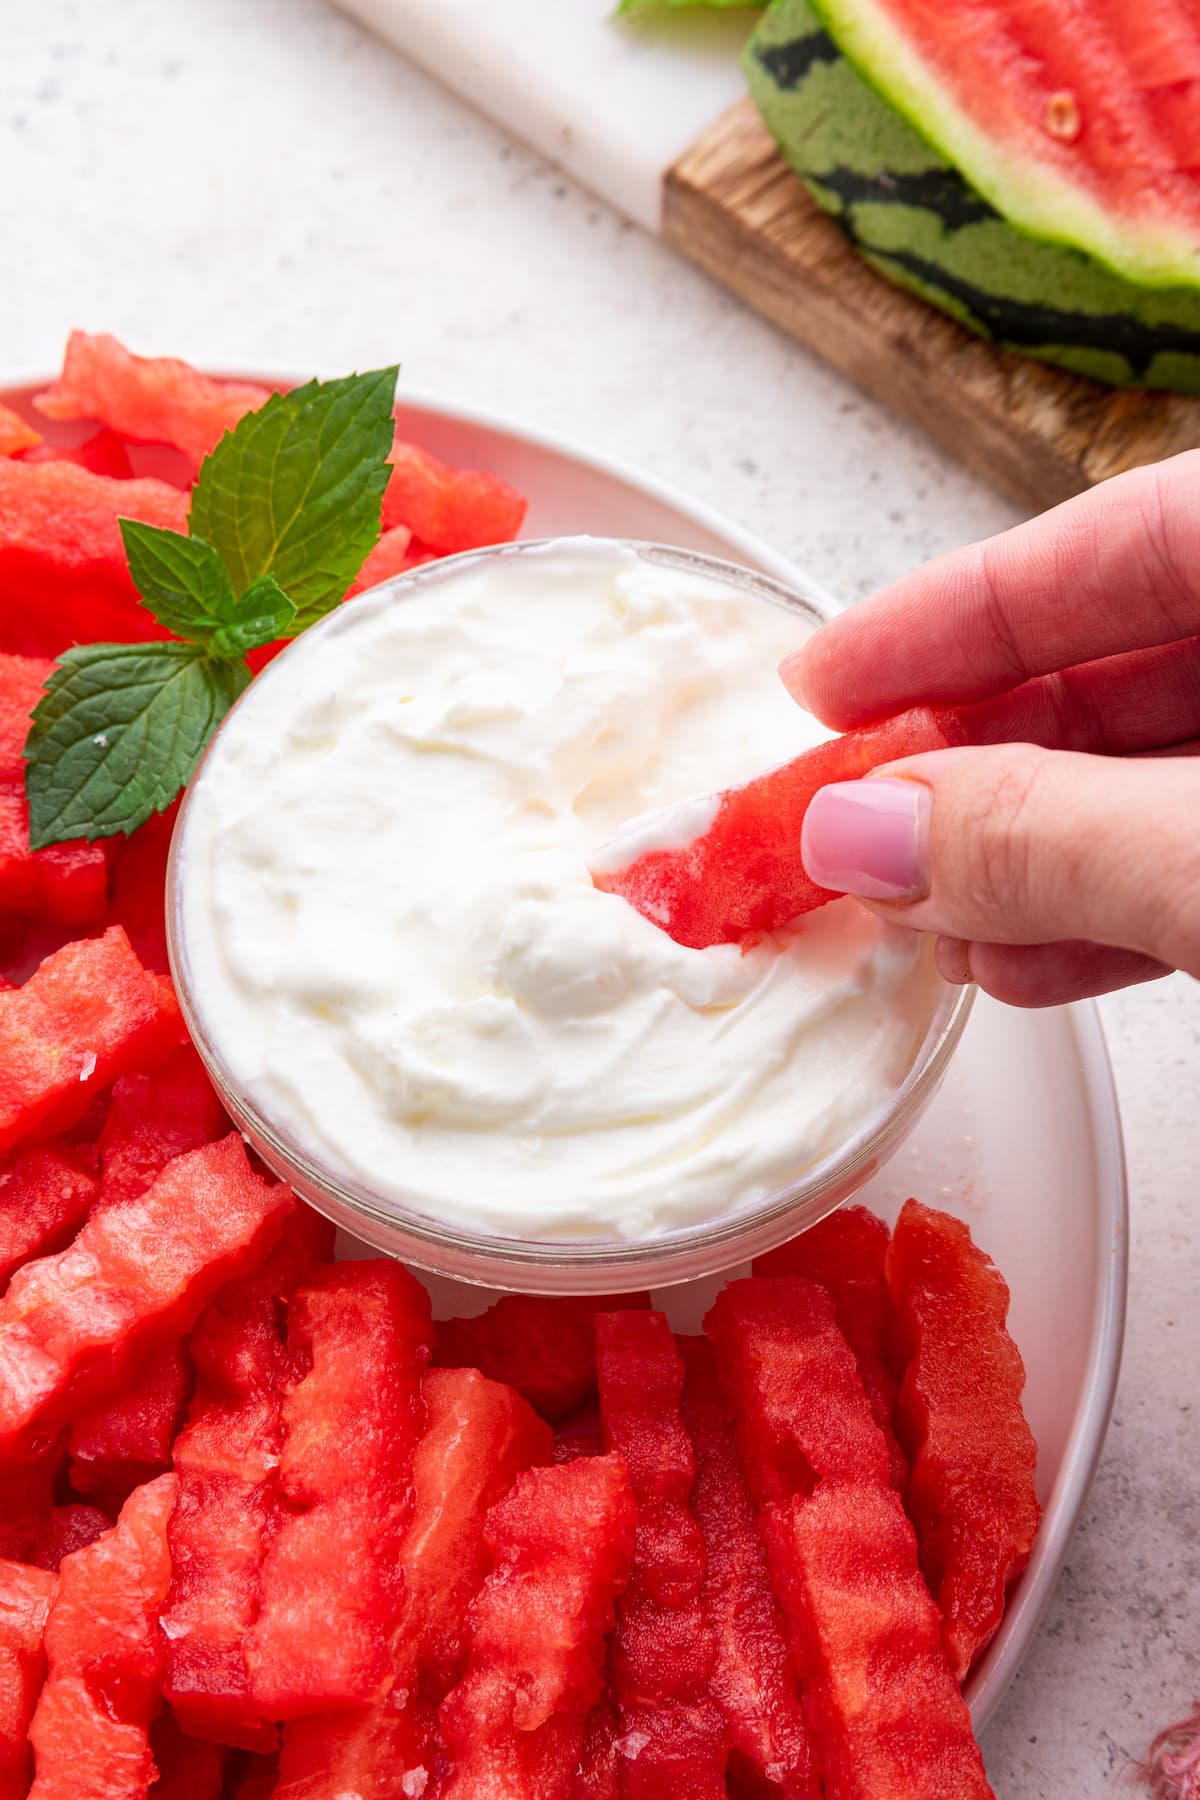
(869, 838)
(790, 673)
(953, 959)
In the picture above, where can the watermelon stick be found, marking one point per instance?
(90, 1732)
(478, 1437)
(883, 1709)
(672, 1732)
(88, 1015)
(752, 1677)
(227, 1461)
(362, 1334)
(972, 1495)
(561, 1542)
(725, 867)
(845, 1254)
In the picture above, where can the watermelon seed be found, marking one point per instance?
(1063, 119)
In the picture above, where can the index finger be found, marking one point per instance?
(1115, 569)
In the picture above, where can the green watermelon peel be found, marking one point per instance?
(920, 223)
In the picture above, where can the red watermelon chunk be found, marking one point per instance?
(742, 873)
(120, 1443)
(67, 883)
(72, 1324)
(664, 1649)
(63, 574)
(752, 1678)
(362, 1331)
(91, 1730)
(88, 1015)
(845, 1254)
(148, 399)
(544, 1346)
(972, 1493)
(66, 1529)
(152, 1119)
(25, 1599)
(227, 1460)
(561, 1544)
(447, 509)
(45, 1195)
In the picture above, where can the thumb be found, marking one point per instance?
(1012, 844)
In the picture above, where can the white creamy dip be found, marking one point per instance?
(394, 945)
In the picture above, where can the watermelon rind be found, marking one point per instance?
(917, 220)
(1030, 187)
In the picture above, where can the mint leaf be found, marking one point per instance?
(262, 614)
(184, 583)
(181, 580)
(294, 491)
(118, 732)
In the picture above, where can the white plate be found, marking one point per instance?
(1024, 1139)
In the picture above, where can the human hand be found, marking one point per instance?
(1058, 855)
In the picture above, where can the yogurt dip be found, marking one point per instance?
(393, 945)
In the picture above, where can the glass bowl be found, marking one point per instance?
(578, 1265)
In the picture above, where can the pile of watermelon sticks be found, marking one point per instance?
(265, 1529)
(256, 1544)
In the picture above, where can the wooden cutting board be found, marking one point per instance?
(731, 204)
(646, 113)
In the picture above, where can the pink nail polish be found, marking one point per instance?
(869, 838)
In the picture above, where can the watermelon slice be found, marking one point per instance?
(1089, 134)
(720, 869)
(149, 399)
(449, 510)
(1032, 170)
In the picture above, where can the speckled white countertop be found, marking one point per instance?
(267, 185)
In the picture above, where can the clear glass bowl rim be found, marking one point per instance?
(429, 1242)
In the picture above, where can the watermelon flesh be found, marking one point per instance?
(941, 216)
(728, 868)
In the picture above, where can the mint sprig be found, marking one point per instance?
(283, 514)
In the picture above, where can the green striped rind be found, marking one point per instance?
(923, 226)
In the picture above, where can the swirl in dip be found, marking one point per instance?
(394, 946)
